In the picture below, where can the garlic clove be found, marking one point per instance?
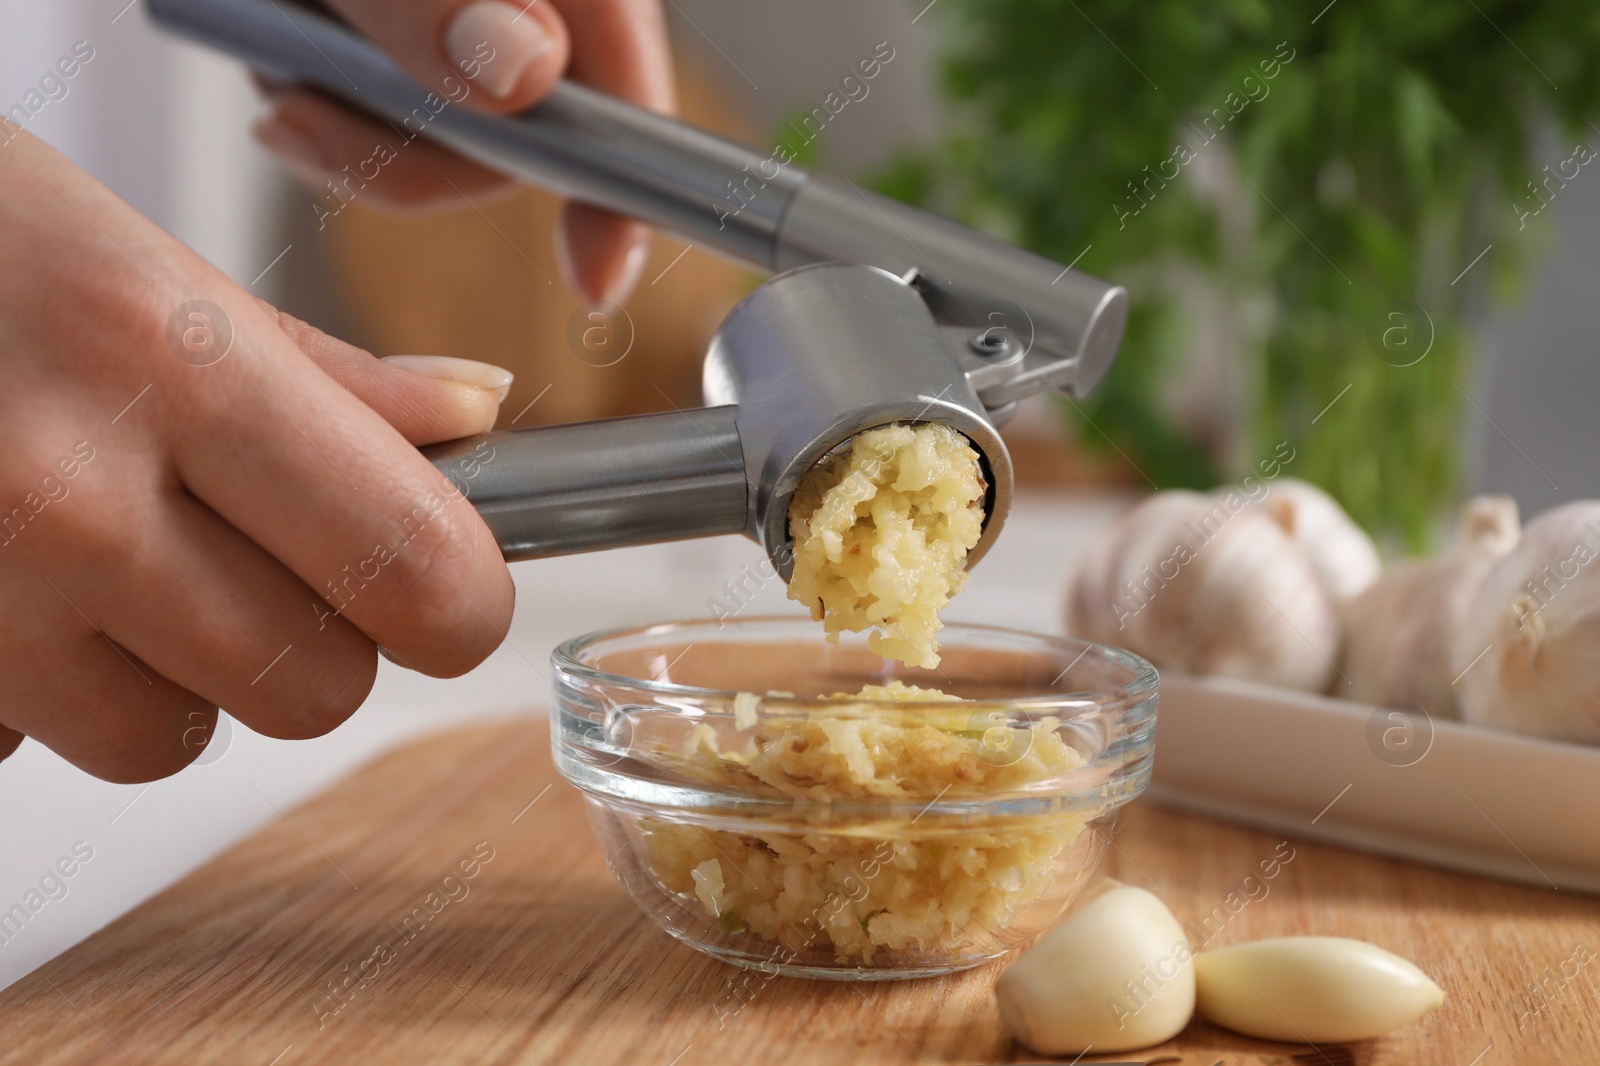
(1395, 646)
(1528, 652)
(1116, 975)
(1341, 552)
(1489, 524)
(1311, 989)
(1400, 633)
(1206, 584)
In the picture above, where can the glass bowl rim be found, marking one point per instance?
(1144, 683)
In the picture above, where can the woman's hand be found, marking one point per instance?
(204, 503)
(511, 53)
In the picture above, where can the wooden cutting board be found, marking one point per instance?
(338, 934)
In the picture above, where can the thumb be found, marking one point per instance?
(427, 398)
(497, 55)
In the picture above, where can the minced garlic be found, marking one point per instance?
(745, 707)
(881, 531)
(820, 880)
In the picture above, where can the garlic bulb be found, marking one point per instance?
(1344, 557)
(1528, 654)
(1117, 975)
(1207, 584)
(1399, 633)
(1311, 989)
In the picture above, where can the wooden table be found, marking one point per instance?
(296, 947)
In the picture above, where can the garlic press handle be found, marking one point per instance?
(1064, 326)
(580, 143)
(587, 486)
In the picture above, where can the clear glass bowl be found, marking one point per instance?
(850, 838)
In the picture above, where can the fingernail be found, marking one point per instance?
(486, 376)
(392, 657)
(297, 151)
(627, 275)
(497, 40)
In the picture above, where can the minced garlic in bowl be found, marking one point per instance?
(891, 885)
(805, 807)
(881, 529)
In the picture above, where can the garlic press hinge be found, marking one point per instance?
(994, 343)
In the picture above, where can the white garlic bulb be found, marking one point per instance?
(1400, 632)
(1206, 584)
(1311, 989)
(1344, 557)
(1529, 653)
(1116, 975)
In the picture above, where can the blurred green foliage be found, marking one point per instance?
(1390, 145)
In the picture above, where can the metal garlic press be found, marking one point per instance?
(876, 313)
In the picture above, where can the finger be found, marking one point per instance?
(348, 158)
(10, 740)
(110, 714)
(619, 47)
(428, 398)
(318, 479)
(601, 254)
(262, 435)
(506, 55)
(270, 86)
(213, 612)
(514, 54)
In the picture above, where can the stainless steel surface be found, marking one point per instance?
(880, 313)
(585, 486)
(580, 143)
(804, 363)
(1066, 324)
(721, 195)
(818, 354)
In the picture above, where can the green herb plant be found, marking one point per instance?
(1327, 174)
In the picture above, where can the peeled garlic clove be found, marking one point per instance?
(1206, 584)
(1311, 989)
(1344, 557)
(1528, 654)
(1117, 975)
(1400, 633)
